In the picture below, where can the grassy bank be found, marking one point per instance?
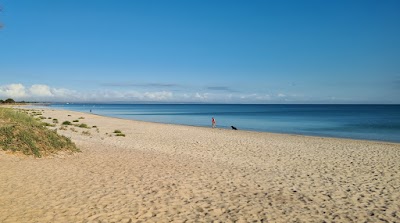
(20, 132)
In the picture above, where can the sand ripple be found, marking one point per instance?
(168, 173)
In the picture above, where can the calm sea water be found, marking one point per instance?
(372, 122)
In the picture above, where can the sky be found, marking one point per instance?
(201, 51)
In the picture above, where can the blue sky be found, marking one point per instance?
(201, 51)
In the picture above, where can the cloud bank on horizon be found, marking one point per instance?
(45, 93)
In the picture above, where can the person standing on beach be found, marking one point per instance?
(213, 122)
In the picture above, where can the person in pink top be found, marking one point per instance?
(213, 122)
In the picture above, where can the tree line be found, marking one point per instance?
(7, 101)
(12, 101)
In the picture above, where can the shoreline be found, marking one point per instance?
(165, 172)
(227, 129)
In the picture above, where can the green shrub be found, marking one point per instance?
(75, 121)
(67, 123)
(47, 124)
(83, 125)
(117, 131)
(120, 134)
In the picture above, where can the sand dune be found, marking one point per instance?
(171, 173)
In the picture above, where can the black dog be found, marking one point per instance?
(233, 127)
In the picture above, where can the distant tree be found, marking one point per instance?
(9, 101)
(1, 101)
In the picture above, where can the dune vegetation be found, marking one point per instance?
(20, 132)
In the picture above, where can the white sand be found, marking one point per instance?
(171, 173)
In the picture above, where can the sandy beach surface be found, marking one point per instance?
(172, 173)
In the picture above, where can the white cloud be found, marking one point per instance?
(158, 96)
(200, 96)
(12, 90)
(281, 95)
(62, 92)
(45, 93)
(35, 92)
(40, 90)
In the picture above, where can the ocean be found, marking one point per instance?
(370, 122)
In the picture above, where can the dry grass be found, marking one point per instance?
(63, 128)
(87, 133)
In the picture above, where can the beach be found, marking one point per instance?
(174, 173)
